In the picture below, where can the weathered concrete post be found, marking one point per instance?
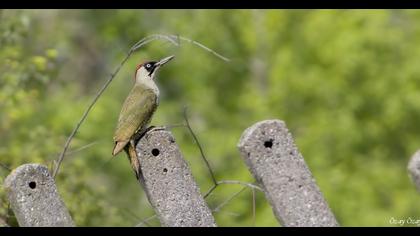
(34, 198)
(275, 162)
(414, 169)
(169, 184)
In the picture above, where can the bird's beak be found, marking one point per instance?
(164, 61)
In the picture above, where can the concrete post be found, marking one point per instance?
(275, 162)
(169, 184)
(414, 169)
(34, 198)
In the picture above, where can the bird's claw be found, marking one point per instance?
(141, 133)
(155, 128)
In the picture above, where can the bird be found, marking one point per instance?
(137, 111)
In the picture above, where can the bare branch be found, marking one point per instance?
(217, 183)
(82, 148)
(221, 205)
(138, 45)
(217, 209)
(246, 185)
(151, 38)
(5, 167)
(175, 39)
(204, 47)
(210, 191)
(199, 147)
(230, 213)
(252, 186)
(145, 221)
(73, 133)
(137, 217)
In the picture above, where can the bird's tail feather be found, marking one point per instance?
(132, 157)
(119, 146)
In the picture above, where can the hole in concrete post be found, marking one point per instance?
(32, 184)
(155, 152)
(165, 170)
(268, 143)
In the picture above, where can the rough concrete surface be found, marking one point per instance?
(275, 162)
(34, 198)
(169, 184)
(414, 169)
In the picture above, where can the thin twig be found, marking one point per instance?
(229, 213)
(67, 144)
(203, 156)
(138, 45)
(215, 182)
(82, 148)
(204, 47)
(246, 184)
(221, 205)
(73, 133)
(5, 167)
(213, 178)
(135, 216)
(153, 37)
(210, 191)
(241, 183)
(216, 209)
(175, 39)
(144, 222)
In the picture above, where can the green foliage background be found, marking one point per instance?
(346, 82)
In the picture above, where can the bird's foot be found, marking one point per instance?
(140, 134)
(155, 128)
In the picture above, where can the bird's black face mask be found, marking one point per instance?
(150, 67)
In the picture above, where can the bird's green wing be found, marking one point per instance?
(136, 112)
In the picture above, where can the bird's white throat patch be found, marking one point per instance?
(147, 80)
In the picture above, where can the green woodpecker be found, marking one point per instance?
(137, 110)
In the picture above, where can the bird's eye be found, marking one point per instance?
(148, 65)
